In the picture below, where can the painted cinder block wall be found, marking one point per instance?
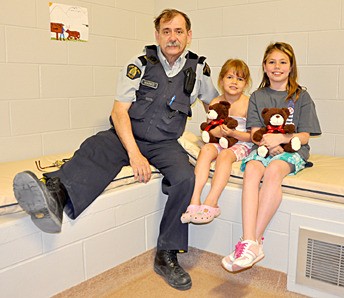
(55, 94)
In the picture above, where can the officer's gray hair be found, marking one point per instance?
(167, 15)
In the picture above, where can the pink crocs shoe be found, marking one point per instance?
(188, 214)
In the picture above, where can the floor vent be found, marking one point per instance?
(320, 263)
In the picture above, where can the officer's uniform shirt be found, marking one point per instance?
(127, 84)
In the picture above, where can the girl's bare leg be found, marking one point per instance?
(221, 175)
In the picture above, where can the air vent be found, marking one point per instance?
(320, 263)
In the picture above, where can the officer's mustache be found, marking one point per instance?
(173, 44)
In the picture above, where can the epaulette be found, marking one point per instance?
(192, 55)
(143, 60)
(201, 59)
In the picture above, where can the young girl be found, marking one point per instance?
(279, 88)
(233, 80)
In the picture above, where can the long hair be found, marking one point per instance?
(167, 15)
(239, 68)
(292, 86)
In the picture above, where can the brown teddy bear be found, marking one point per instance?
(275, 121)
(218, 114)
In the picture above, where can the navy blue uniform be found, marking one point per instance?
(161, 105)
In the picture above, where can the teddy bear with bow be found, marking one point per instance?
(275, 122)
(218, 114)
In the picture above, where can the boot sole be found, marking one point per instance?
(32, 198)
(178, 287)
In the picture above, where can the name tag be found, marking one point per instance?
(149, 84)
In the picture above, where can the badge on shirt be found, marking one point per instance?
(206, 70)
(133, 72)
(149, 84)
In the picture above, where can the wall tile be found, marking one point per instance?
(341, 83)
(330, 115)
(105, 80)
(106, 250)
(66, 81)
(24, 75)
(321, 82)
(231, 47)
(16, 148)
(319, 45)
(200, 23)
(79, 229)
(2, 44)
(257, 45)
(35, 46)
(316, 15)
(20, 249)
(56, 270)
(127, 49)
(17, 12)
(39, 116)
(5, 128)
(98, 50)
(113, 22)
(145, 28)
(339, 145)
(182, 5)
(317, 143)
(203, 4)
(256, 16)
(88, 112)
(138, 6)
(64, 141)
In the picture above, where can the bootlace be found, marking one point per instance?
(172, 258)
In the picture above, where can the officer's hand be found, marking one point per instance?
(141, 168)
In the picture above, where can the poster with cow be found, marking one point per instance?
(68, 22)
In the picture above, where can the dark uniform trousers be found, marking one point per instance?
(102, 156)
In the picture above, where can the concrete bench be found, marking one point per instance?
(124, 221)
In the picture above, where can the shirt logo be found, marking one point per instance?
(149, 84)
(133, 72)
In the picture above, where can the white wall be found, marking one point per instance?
(55, 94)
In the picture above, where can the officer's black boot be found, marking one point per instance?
(44, 201)
(166, 264)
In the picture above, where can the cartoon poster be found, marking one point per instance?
(68, 23)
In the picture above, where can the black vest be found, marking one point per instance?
(162, 105)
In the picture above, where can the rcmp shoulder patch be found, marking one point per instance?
(206, 70)
(133, 72)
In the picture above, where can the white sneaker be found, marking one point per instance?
(227, 261)
(247, 254)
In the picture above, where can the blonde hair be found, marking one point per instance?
(292, 86)
(239, 68)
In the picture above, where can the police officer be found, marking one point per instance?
(154, 94)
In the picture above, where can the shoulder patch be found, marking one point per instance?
(133, 72)
(206, 70)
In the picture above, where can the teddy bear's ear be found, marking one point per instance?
(225, 103)
(264, 111)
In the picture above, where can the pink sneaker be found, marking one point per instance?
(247, 254)
(190, 211)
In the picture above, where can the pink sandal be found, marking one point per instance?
(205, 214)
(189, 213)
